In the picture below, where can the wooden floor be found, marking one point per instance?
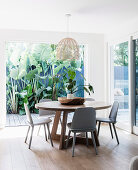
(15, 155)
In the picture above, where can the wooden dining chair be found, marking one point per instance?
(45, 122)
(111, 120)
(84, 120)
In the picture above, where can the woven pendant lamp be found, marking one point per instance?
(67, 48)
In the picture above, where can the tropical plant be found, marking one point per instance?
(34, 73)
(121, 54)
(71, 83)
(12, 99)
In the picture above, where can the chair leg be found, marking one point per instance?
(111, 130)
(93, 140)
(31, 137)
(38, 130)
(73, 147)
(60, 121)
(27, 134)
(99, 128)
(87, 143)
(68, 139)
(49, 134)
(115, 133)
(45, 132)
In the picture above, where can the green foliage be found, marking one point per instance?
(71, 83)
(34, 73)
(31, 74)
(71, 74)
(136, 52)
(121, 54)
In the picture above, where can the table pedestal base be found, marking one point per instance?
(79, 140)
(62, 138)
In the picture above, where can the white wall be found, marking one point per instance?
(95, 70)
(2, 85)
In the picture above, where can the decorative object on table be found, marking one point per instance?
(67, 48)
(70, 83)
(70, 96)
(74, 101)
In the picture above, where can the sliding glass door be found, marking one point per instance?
(136, 80)
(120, 82)
(124, 82)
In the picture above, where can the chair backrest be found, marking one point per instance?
(133, 165)
(114, 110)
(45, 112)
(28, 114)
(89, 99)
(84, 119)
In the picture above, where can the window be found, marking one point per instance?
(34, 73)
(120, 89)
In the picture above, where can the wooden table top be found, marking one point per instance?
(56, 106)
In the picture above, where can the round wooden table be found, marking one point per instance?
(65, 109)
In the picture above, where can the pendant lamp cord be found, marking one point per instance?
(68, 15)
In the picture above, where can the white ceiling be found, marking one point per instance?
(90, 16)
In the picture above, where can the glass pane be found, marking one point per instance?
(121, 88)
(33, 73)
(136, 74)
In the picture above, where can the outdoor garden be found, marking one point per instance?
(34, 73)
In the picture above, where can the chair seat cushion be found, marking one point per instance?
(108, 120)
(79, 130)
(134, 163)
(42, 121)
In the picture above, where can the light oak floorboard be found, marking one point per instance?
(15, 155)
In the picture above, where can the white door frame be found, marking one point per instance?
(131, 78)
(111, 78)
(133, 100)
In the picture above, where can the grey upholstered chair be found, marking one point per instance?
(70, 114)
(111, 120)
(134, 163)
(89, 99)
(45, 122)
(84, 120)
(45, 113)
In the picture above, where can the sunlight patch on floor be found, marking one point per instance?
(15, 132)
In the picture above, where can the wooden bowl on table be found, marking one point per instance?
(74, 101)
